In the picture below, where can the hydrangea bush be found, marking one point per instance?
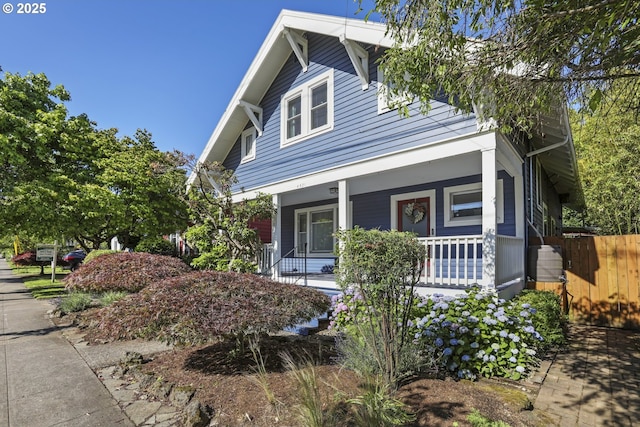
(474, 334)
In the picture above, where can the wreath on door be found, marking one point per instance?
(415, 211)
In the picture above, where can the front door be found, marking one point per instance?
(413, 215)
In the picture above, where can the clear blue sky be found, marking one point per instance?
(170, 66)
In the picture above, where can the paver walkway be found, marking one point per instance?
(595, 381)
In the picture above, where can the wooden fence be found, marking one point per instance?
(603, 281)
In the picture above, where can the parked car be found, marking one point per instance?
(75, 258)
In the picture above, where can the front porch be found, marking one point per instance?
(452, 264)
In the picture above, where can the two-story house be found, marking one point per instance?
(309, 126)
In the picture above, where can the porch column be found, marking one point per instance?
(276, 233)
(344, 217)
(489, 223)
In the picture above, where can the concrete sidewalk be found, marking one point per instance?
(44, 381)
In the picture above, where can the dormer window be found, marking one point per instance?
(248, 145)
(307, 110)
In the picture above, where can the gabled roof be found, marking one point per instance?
(559, 162)
(266, 65)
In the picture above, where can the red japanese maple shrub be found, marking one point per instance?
(206, 305)
(25, 259)
(124, 271)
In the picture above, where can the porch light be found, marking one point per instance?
(333, 190)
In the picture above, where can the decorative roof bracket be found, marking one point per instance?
(254, 113)
(359, 58)
(300, 46)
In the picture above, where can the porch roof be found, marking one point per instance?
(553, 147)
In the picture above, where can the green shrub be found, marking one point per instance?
(203, 306)
(471, 334)
(74, 302)
(96, 253)
(377, 407)
(548, 319)
(110, 297)
(381, 268)
(158, 246)
(476, 419)
(124, 271)
(218, 259)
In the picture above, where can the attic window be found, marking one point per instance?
(386, 101)
(307, 110)
(248, 145)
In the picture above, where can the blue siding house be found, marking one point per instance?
(309, 124)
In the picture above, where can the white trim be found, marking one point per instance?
(304, 92)
(359, 58)
(299, 45)
(445, 148)
(539, 194)
(471, 188)
(431, 194)
(254, 113)
(333, 207)
(251, 155)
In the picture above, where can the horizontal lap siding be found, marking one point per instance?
(372, 210)
(359, 131)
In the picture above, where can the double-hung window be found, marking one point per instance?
(314, 230)
(248, 145)
(463, 204)
(307, 110)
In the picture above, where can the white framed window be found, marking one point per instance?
(314, 228)
(463, 204)
(386, 102)
(248, 145)
(307, 110)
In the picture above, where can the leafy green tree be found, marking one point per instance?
(512, 59)
(608, 148)
(62, 177)
(221, 230)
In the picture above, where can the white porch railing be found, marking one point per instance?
(456, 261)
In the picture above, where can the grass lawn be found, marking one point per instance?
(40, 285)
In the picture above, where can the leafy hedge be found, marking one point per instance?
(205, 305)
(124, 271)
(157, 246)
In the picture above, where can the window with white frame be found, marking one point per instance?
(314, 228)
(307, 110)
(387, 102)
(248, 145)
(463, 204)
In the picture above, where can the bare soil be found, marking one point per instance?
(230, 385)
(228, 381)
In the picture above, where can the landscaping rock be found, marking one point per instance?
(196, 415)
(180, 396)
(132, 358)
